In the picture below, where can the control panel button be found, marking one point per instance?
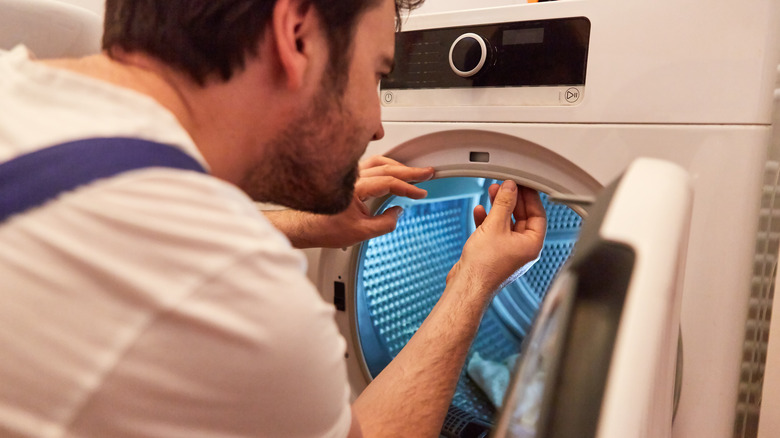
(468, 54)
(572, 95)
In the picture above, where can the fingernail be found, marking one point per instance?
(509, 185)
(399, 211)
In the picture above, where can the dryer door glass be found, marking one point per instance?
(401, 275)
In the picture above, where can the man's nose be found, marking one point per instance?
(380, 133)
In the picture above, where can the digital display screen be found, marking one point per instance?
(514, 37)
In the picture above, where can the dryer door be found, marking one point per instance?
(602, 355)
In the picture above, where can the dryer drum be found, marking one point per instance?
(401, 275)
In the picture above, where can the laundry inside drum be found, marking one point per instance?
(401, 275)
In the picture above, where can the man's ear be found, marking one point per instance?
(294, 25)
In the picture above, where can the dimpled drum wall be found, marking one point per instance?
(401, 275)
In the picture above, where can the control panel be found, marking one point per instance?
(541, 62)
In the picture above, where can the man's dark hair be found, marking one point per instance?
(212, 38)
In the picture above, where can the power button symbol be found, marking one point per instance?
(572, 95)
(388, 97)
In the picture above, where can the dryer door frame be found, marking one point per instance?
(452, 153)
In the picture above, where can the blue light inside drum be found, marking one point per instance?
(401, 275)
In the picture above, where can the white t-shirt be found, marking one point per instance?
(158, 303)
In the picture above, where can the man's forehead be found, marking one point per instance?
(378, 24)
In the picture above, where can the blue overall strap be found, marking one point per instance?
(32, 179)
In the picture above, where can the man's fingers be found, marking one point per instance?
(519, 212)
(480, 212)
(410, 174)
(479, 215)
(535, 215)
(383, 223)
(492, 191)
(522, 203)
(378, 186)
(380, 176)
(533, 203)
(503, 205)
(377, 160)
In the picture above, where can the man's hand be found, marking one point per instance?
(379, 176)
(499, 250)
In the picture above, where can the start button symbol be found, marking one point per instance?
(572, 95)
(388, 97)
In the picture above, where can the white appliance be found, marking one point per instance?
(51, 28)
(563, 96)
(96, 6)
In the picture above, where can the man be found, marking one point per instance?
(157, 301)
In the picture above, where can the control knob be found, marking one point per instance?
(468, 54)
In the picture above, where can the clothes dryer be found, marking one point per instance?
(562, 97)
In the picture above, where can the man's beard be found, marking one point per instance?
(298, 169)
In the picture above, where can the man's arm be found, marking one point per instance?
(354, 429)
(411, 396)
(379, 176)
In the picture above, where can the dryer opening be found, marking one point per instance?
(401, 275)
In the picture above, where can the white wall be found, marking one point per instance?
(432, 6)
